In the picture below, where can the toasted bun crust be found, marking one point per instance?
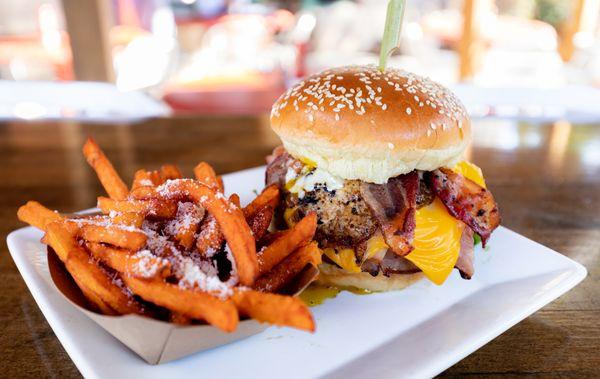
(359, 123)
(332, 275)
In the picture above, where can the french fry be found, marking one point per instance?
(61, 237)
(138, 265)
(95, 300)
(149, 238)
(153, 207)
(110, 179)
(300, 234)
(178, 318)
(35, 214)
(274, 309)
(235, 199)
(143, 192)
(186, 232)
(231, 223)
(169, 172)
(286, 270)
(269, 196)
(235, 230)
(210, 239)
(143, 178)
(270, 237)
(113, 235)
(259, 222)
(95, 280)
(207, 176)
(186, 236)
(191, 303)
(129, 219)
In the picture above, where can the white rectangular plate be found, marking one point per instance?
(417, 332)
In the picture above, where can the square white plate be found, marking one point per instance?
(417, 332)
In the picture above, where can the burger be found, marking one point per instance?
(378, 157)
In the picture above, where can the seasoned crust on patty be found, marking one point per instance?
(343, 216)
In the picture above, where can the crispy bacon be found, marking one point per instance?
(466, 201)
(276, 167)
(464, 263)
(393, 205)
(278, 164)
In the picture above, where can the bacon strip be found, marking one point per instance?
(393, 205)
(464, 263)
(466, 201)
(276, 167)
(278, 164)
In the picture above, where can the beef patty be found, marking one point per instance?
(344, 220)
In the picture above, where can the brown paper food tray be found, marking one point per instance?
(158, 341)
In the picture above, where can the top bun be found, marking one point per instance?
(359, 123)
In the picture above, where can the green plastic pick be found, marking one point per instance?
(391, 33)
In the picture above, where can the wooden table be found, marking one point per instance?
(546, 179)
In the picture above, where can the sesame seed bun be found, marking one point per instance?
(331, 275)
(359, 123)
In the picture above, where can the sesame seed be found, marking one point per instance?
(318, 93)
(391, 145)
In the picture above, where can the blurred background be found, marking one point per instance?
(115, 59)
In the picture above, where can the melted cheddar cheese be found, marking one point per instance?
(470, 171)
(345, 258)
(437, 233)
(436, 242)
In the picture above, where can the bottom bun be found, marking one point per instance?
(334, 276)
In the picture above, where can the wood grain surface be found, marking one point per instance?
(546, 178)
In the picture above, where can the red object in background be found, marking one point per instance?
(251, 95)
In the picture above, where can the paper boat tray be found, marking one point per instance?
(158, 341)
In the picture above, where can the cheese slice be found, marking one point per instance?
(470, 171)
(437, 241)
(438, 234)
